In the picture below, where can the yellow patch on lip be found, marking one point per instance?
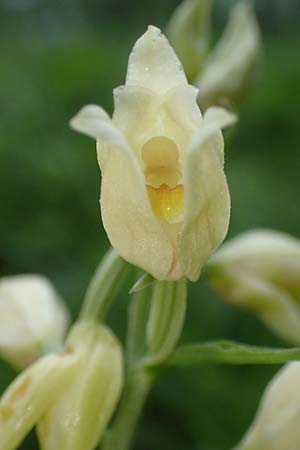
(167, 203)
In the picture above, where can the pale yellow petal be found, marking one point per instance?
(268, 254)
(91, 120)
(270, 303)
(31, 393)
(32, 318)
(221, 118)
(77, 419)
(153, 63)
(276, 425)
(207, 200)
(181, 104)
(136, 114)
(133, 229)
(128, 219)
(142, 115)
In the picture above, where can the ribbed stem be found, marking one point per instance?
(104, 286)
(120, 435)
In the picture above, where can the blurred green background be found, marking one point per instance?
(56, 56)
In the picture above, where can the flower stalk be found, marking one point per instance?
(104, 287)
(155, 322)
(120, 436)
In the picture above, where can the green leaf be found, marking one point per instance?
(228, 352)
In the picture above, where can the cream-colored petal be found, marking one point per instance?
(181, 104)
(93, 121)
(221, 118)
(136, 114)
(132, 228)
(135, 232)
(218, 117)
(270, 303)
(31, 393)
(207, 200)
(90, 120)
(257, 244)
(77, 419)
(142, 115)
(153, 63)
(276, 425)
(32, 318)
(268, 254)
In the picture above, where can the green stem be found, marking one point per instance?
(138, 314)
(104, 286)
(119, 436)
(161, 312)
(166, 319)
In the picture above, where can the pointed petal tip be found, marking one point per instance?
(153, 63)
(152, 29)
(87, 120)
(152, 33)
(220, 116)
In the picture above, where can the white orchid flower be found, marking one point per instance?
(164, 196)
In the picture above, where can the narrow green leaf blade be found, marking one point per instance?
(229, 352)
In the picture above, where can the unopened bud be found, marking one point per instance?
(276, 425)
(232, 64)
(32, 318)
(189, 32)
(31, 393)
(260, 271)
(77, 419)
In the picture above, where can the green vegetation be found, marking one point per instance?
(49, 189)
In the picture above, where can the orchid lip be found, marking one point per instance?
(163, 177)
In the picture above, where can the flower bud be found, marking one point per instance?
(31, 393)
(276, 425)
(32, 318)
(189, 32)
(77, 419)
(259, 270)
(231, 65)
